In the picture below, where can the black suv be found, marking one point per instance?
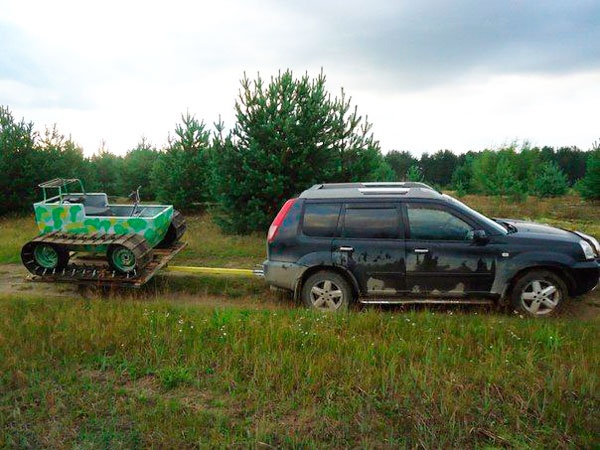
(407, 243)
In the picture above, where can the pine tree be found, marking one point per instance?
(550, 181)
(589, 186)
(414, 173)
(137, 169)
(61, 157)
(400, 162)
(359, 153)
(105, 170)
(439, 167)
(289, 134)
(180, 175)
(462, 177)
(19, 163)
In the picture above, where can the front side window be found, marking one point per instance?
(321, 219)
(374, 223)
(427, 222)
(499, 229)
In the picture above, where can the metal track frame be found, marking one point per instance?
(86, 269)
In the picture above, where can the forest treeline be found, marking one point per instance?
(289, 134)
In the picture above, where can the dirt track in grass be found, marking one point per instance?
(208, 291)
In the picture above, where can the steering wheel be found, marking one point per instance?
(135, 196)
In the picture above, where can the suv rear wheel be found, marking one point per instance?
(326, 291)
(539, 293)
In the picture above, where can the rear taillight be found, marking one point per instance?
(274, 228)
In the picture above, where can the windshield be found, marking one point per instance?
(489, 222)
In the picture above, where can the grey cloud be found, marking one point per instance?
(16, 62)
(428, 42)
(44, 72)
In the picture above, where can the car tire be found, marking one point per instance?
(326, 291)
(539, 293)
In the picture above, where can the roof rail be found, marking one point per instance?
(373, 185)
(397, 184)
(384, 190)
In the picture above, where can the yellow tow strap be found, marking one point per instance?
(215, 271)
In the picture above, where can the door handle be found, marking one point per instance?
(421, 250)
(346, 249)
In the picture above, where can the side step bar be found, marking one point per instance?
(428, 301)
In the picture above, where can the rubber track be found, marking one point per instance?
(176, 229)
(74, 272)
(178, 222)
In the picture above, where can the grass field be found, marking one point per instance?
(93, 374)
(208, 362)
(567, 212)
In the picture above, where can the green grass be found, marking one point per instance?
(569, 211)
(14, 232)
(128, 374)
(219, 362)
(210, 247)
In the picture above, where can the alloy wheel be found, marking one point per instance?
(540, 297)
(326, 295)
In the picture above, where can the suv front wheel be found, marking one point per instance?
(539, 293)
(326, 291)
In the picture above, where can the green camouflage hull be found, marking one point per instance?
(71, 218)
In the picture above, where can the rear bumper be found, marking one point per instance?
(283, 275)
(586, 276)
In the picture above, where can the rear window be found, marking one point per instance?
(373, 223)
(321, 219)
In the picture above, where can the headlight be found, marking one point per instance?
(593, 240)
(588, 251)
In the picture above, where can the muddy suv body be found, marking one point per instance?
(407, 243)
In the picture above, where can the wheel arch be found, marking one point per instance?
(561, 271)
(321, 268)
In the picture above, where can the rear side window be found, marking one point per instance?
(321, 219)
(373, 223)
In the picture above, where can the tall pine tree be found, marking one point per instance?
(181, 173)
(289, 135)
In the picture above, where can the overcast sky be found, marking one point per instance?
(430, 75)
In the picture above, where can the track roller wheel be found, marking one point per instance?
(122, 259)
(44, 256)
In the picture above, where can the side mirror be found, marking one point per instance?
(479, 236)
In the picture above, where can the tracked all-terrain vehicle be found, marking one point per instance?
(85, 239)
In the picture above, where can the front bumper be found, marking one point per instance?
(586, 277)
